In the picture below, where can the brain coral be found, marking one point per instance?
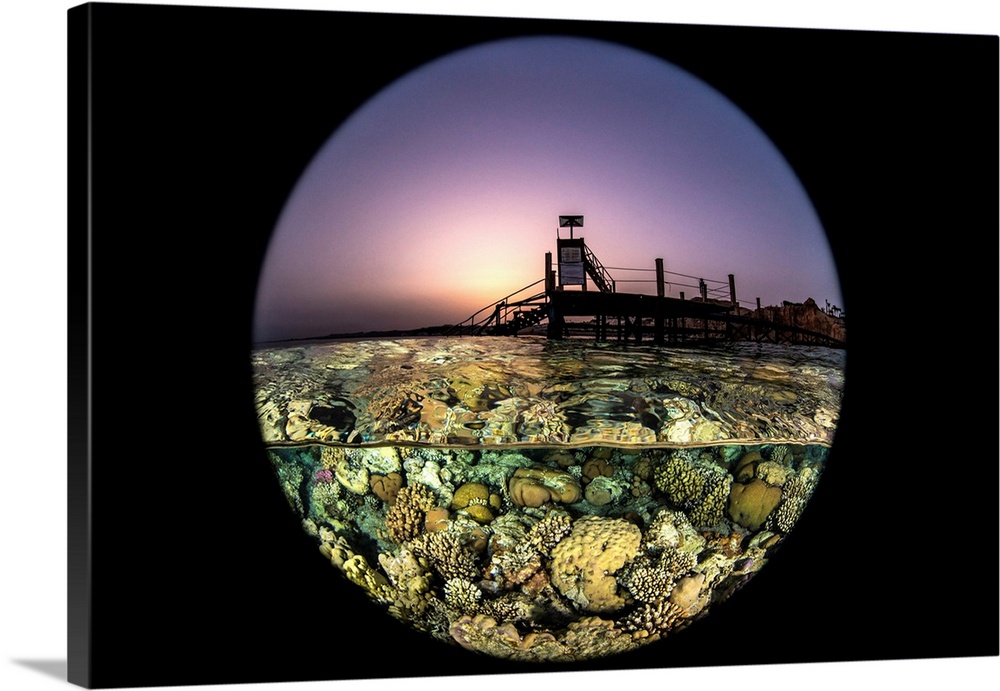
(584, 562)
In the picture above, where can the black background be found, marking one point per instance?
(200, 122)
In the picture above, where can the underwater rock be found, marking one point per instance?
(602, 490)
(353, 478)
(381, 460)
(595, 467)
(386, 487)
(532, 487)
(687, 594)
(480, 513)
(475, 500)
(563, 458)
(773, 473)
(436, 519)
(672, 530)
(746, 468)
(750, 505)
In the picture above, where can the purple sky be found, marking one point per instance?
(442, 193)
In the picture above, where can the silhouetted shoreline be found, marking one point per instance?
(806, 313)
(443, 330)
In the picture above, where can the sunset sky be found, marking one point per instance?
(442, 193)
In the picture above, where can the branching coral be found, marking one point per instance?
(405, 519)
(646, 579)
(291, 478)
(677, 562)
(653, 619)
(332, 456)
(651, 576)
(697, 487)
(547, 533)
(710, 510)
(516, 516)
(796, 495)
(324, 494)
(462, 596)
(781, 454)
(678, 479)
(446, 554)
(512, 607)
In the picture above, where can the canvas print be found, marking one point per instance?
(486, 345)
(589, 462)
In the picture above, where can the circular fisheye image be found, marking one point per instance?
(549, 349)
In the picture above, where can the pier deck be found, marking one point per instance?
(570, 309)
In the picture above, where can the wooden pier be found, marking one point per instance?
(630, 316)
(581, 300)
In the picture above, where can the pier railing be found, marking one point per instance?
(505, 316)
(600, 275)
(668, 281)
(711, 314)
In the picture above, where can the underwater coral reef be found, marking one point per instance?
(546, 502)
